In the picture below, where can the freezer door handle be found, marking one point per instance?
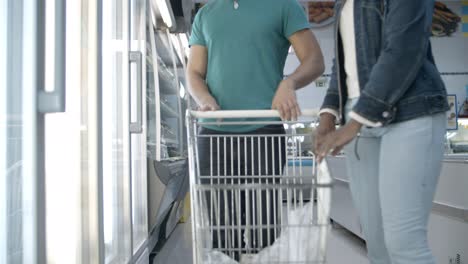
(135, 57)
(137, 127)
(53, 102)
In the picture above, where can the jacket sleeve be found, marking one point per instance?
(405, 42)
(332, 98)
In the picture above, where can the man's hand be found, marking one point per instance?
(208, 103)
(335, 141)
(285, 101)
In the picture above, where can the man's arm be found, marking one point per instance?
(311, 66)
(310, 56)
(196, 73)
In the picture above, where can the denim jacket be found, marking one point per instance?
(397, 73)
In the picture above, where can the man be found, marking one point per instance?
(238, 52)
(388, 94)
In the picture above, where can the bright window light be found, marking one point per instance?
(3, 131)
(153, 19)
(176, 44)
(185, 43)
(451, 135)
(165, 11)
(182, 91)
(62, 135)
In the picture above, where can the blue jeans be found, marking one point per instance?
(394, 172)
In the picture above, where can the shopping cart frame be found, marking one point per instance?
(224, 118)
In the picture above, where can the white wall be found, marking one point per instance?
(451, 55)
(312, 96)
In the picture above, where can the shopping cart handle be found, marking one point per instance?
(248, 113)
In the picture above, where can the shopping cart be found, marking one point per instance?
(254, 197)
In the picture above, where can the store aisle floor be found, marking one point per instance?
(343, 248)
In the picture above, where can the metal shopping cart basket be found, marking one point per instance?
(255, 196)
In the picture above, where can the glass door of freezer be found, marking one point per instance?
(124, 128)
(19, 180)
(47, 98)
(50, 207)
(72, 122)
(138, 127)
(70, 157)
(115, 131)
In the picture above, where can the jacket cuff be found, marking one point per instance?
(363, 120)
(330, 111)
(374, 110)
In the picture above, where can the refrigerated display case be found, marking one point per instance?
(166, 147)
(123, 129)
(448, 226)
(165, 113)
(457, 141)
(73, 131)
(75, 185)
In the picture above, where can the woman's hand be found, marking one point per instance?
(325, 127)
(336, 140)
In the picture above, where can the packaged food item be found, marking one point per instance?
(320, 11)
(445, 21)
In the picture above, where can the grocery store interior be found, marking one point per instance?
(96, 152)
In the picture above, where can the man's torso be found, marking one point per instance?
(246, 52)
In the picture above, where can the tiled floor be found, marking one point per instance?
(344, 248)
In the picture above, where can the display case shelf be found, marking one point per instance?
(167, 50)
(149, 62)
(172, 141)
(167, 111)
(166, 82)
(165, 106)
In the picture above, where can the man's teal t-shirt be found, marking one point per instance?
(247, 49)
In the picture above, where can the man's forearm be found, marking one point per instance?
(309, 70)
(198, 88)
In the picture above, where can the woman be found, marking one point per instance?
(390, 100)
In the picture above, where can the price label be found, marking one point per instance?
(452, 115)
(321, 82)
